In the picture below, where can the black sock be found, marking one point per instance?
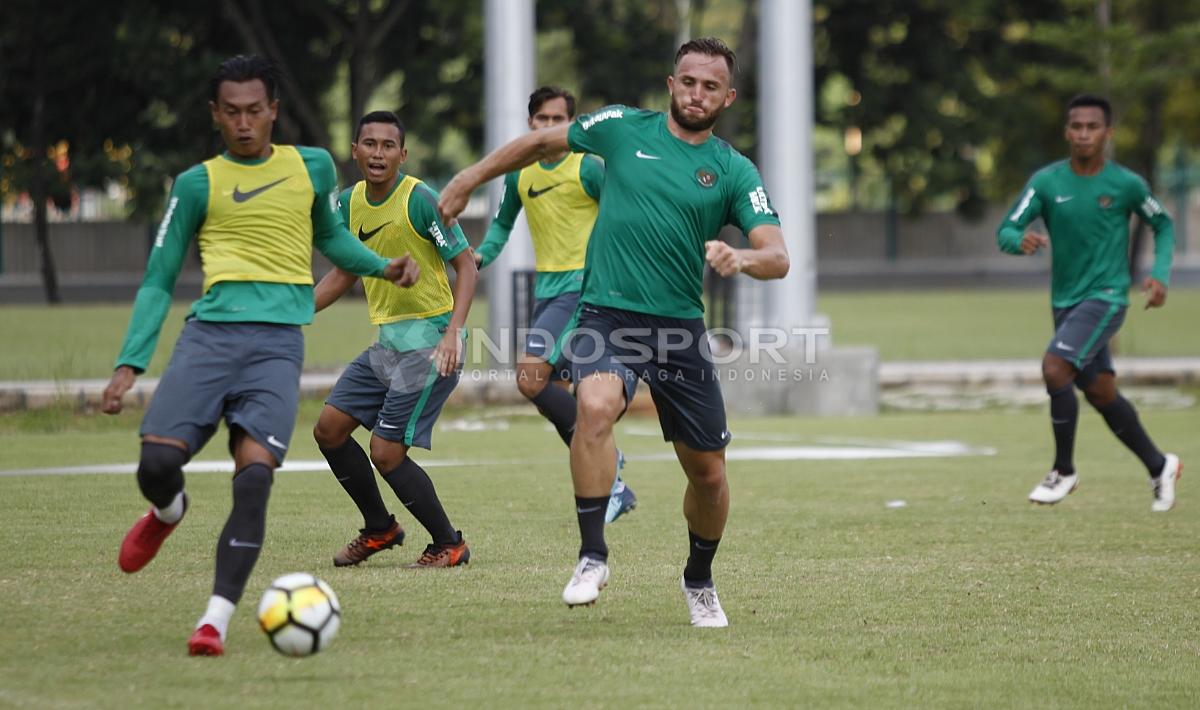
(160, 472)
(415, 491)
(353, 470)
(1064, 416)
(557, 405)
(1122, 418)
(698, 572)
(242, 538)
(591, 527)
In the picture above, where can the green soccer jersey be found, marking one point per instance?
(1088, 221)
(238, 301)
(663, 199)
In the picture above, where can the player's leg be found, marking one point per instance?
(406, 420)
(1073, 335)
(691, 411)
(355, 400)
(1099, 385)
(706, 508)
(603, 397)
(551, 318)
(240, 541)
(261, 413)
(555, 322)
(181, 418)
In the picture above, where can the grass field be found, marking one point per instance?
(82, 341)
(967, 597)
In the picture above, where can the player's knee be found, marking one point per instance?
(387, 455)
(597, 411)
(530, 383)
(331, 431)
(252, 486)
(1056, 372)
(160, 472)
(1099, 396)
(709, 479)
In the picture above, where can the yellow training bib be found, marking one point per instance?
(387, 229)
(560, 213)
(258, 226)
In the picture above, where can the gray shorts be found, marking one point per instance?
(1081, 335)
(246, 373)
(397, 395)
(550, 318)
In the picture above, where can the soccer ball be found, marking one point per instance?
(300, 614)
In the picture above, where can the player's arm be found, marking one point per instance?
(767, 257)
(1151, 211)
(1014, 236)
(186, 208)
(331, 287)
(752, 211)
(501, 227)
(452, 246)
(331, 237)
(526, 150)
(591, 174)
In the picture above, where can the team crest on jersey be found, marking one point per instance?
(1105, 201)
(706, 177)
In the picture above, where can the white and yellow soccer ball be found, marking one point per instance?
(300, 614)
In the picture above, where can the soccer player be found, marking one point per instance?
(561, 197)
(670, 187)
(1086, 202)
(257, 210)
(393, 389)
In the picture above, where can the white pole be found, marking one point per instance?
(509, 46)
(785, 126)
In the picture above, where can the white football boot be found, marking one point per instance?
(1053, 488)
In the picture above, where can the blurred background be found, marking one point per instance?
(930, 114)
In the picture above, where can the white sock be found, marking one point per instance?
(218, 613)
(173, 512)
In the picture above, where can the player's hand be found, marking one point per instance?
(724, 259)
(447, 356)
(122, 381)
(454, 199)
(478, 258)
(1032, 241)
(402, 271)
(1156, 292)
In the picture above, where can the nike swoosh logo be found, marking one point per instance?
(705, 547)
(1060, 199)
(347, 478)
(409, 504)
(234, 542)
(1061, 345)
(646, 156)
(239, 196)
(382, 425)
(590, 510)
(276, 442)
(537, 193)
(364, 236)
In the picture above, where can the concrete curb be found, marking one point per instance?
(480, 387)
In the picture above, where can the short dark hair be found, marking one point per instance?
(544, 93)
(1092, 100)
(246, 67)
(380, 117)
(710, 46)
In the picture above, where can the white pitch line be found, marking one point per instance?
(897, 450)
